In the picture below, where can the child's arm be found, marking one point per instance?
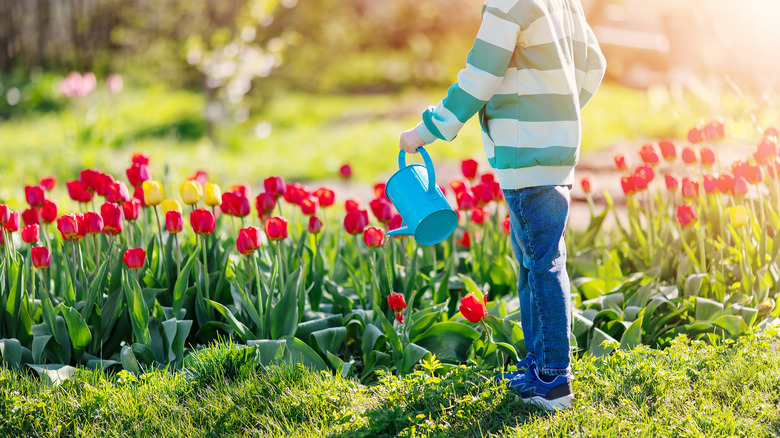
(485, 67)
(596, 65)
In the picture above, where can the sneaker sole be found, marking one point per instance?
(557, 404)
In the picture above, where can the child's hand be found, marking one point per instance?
(411, 140)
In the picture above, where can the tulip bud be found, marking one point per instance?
(668, 149)
(585, 184)
(345, 171)
(472, 308)
(31, 216)
(685, 215)
(174, 222)
(382, 209)
(49, 211)
(309, 205)
(478, 215)
(153, 193)
(131, 209)
(4, 214)
(621, 162)
(41, 258)
(112, 218)
(138, 173)
(671, 182)
(315, 224)
(276, 228)
(464, 241)
(103, 183)
(356, 221)
(465, 201)
(373, 237)
(134, 258)
(212, 195)
(248, 240)
(469, 168)
(191, 192)
(351, 205)
(265, 202)
(35, 195)
(49, 183)
(118, 193)
(202, 221)
(506, 226)
(326, 196)
(69, 226)
(738, 216)
(12, 225)
(140, 158)
(170, 204)
(31, 233)
(93, 223)
(275, 186)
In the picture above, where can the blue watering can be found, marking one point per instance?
(426, 213)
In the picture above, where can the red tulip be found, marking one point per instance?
(31, 216)
(726, 183)
(395, 222)
(70, 226)
(379, 190)
(77, 192)
(265, 202)
(93, 223)
(49, 211)
(668, 149)
(31, 233)
(248, 240)
(240, 189)
(648, 154)
(131, 209)
(382, 209)
(276, 228)
(478, 215)
(585, 184)
(496, 191)
(688, 155)
(473, 309)
(482, 194)
(696, 135)
(646, 173)
(345, 171)
(89, 179)
(397, 304)
(627, 183)
(458, 186)
(138, 194)
(40, 257)
(351, 205)
(112, 218)
(275, 186)
(315, 224)
(707, 156)
(118, 193)
(465, 241)
(5, 212)
(202, 221)
(326, 196)
(465, 201)
(710, 184)
(469, 168)
(134, 258)
(139, 158)
(35, 195)
(174, 222)
(356, 221)
(12, 224)
(639, 182)
(200, 176)
(138, 173)
(714, 130)
(294, 193)
(671, 182)
(685, 215)
(506, 226)
(103, 182)
(766, 150)
(238, 204)
(309, 205)
(740, 187)
(622, 162)
(49, 183)
(771, 132)
(488, 178)
(373, 237)
(690, 188)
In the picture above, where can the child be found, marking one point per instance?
(533, 66)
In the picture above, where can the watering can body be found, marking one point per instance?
(427, 215)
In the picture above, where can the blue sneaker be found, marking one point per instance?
(552, 396)
(519, 371)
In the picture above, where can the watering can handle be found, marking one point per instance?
(428, 167)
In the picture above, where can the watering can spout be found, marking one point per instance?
(403, 231)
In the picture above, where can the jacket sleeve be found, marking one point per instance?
(596, 66)
(486, 65)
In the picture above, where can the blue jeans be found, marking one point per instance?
(538, 217)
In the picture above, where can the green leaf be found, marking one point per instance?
(270, 351)
(328, 340)
(448, 340)
(54, 373)
(284, 316)
(372, 339)
(707, 310)
(129, 362)
(241, 330)
(633, 336)
(601, 344)
(139, 313)
(182, 283)
(307, 328)
(471, 286)
(77, 328)
(413, 353)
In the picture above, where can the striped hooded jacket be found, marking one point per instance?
(533, 66)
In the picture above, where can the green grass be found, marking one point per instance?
(688, 390)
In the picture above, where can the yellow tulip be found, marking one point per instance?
(738, 216)
(191, 192)
(153, 193)
(213, 195)
(170, 204)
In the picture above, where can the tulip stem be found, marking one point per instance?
(205, 266)
(261, 305)
(279, 267)
(73, 262)
(178, 254)
(159, 229)
(97, 250)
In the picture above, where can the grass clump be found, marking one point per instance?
(688, 390)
